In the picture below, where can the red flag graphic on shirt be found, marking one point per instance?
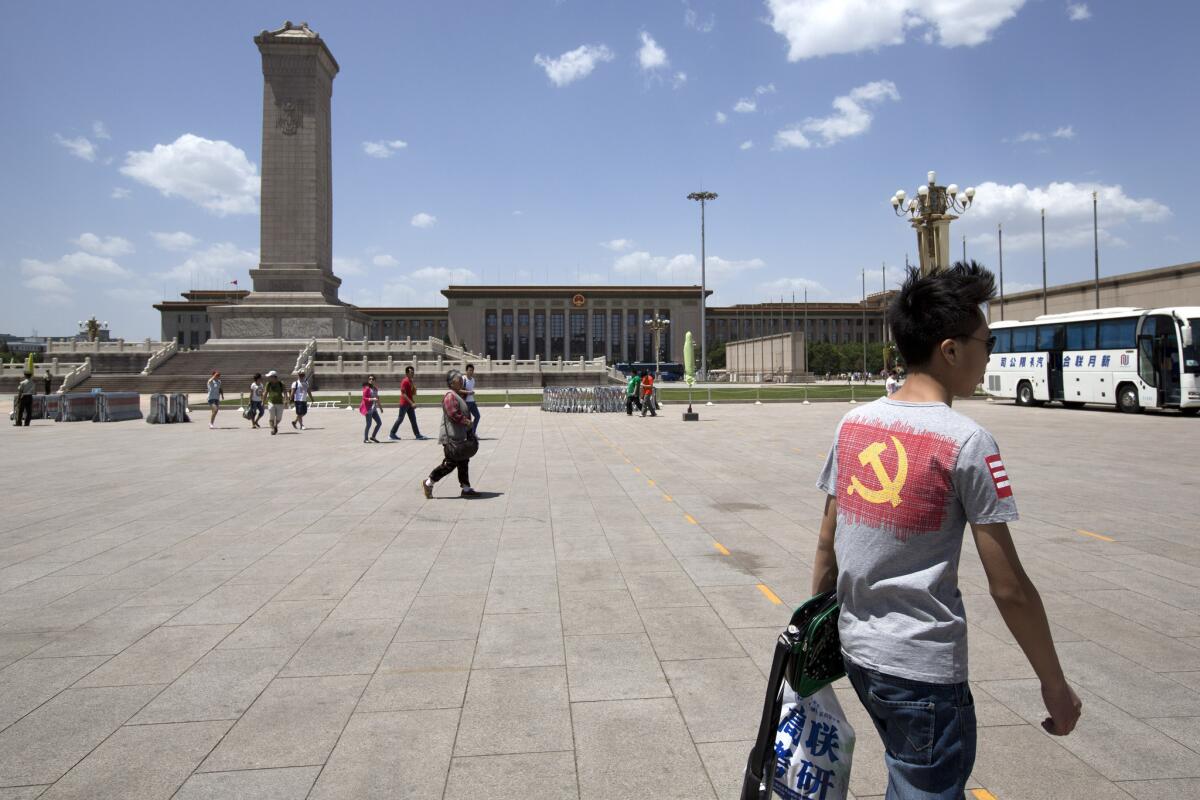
(999, 476)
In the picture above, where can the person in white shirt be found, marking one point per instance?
(215, 396)
(300, 399)
(469, 396)
(256, 401)
(892, 383)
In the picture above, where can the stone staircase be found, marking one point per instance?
(188, 371)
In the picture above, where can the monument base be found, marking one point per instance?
(263, 317)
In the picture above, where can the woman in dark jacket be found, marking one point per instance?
(455, 437)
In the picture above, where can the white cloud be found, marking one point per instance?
(1078, 12)
(767, 89)
(682, 268)
(212, 174)
(385, 260)
(1065, 132)
(133, 295)
(220, 263)
(721, 118)
(1029, 136)
(1068, 214)
(617, 245)
(347, 266)
(100, 130)
(101, 246)
(679, 79)
(176, 240)
(573, 64)
(445, 275)
(651, 56)
(1062, 132)
(815, 28)
(518, 213)
(850, 118)
(746, 105)
(75, 265)
(692, 20)
(79, 147)
(785, 286)
(382, 148)
(119, 193)
(48, 284)
(746, 145)
(423, 220)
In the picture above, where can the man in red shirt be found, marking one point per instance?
(408, 406)
(648, 395)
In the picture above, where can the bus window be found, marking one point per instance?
(1050, 337)
(1081, 336)
(1022, 340)
(1003, 341)
(1118, 334)
(1191, 353)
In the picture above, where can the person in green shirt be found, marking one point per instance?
(631, 394)
(274, 393)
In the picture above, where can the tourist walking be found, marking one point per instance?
(408, 406)
(469, 394)
(25, 390)
(905, 474)
(892, 383)
(369, 408)
(648, 400)
(256, 401)
(274, 392)
(46, 381)
(215, 396)
(299, 394)
(631, 393)
(456, 437)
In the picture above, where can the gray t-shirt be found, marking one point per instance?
(907, 478)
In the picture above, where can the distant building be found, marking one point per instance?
(187, 322)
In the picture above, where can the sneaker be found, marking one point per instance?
(301, 426)
(469, 492)
(274, 431)
(427, 488)
(393, 437)
(420, 437)
(212, 427)
(293, 424)
(373, 439)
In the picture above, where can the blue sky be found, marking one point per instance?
(536, 141)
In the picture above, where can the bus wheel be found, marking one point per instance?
(1127, 399)
(1024, 394)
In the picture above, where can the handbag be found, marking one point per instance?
(808, 657)
(462, 449)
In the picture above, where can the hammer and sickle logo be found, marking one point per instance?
(889, 491)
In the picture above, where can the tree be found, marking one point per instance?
(716, 357)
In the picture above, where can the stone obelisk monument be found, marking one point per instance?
(295, 293)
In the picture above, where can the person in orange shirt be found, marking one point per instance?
(648, 403)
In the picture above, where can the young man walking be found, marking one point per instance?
(631, 394)
(215, 396)
(408, 406)
(274, 392)
(299, 394)
(906, 473)
(648, 403)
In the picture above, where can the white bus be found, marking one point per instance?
(1133, 358)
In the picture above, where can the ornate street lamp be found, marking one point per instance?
(657, 325)
(703, 197)
(930, 214)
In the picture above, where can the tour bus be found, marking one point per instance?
(1133, 358)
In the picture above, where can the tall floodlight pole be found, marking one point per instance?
(1096, 245)
(1000, 244)
(703, 197)
(806, 367)
(1045, 305)
(864, 327)
(930, 213)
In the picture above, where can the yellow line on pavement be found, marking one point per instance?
(690, 519)
(650, 481)
(667, 497)
(1096, 536)
(983, 794)
(637, 469)
(722, 549)
(774, 598)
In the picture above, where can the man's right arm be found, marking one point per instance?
(1021, 606)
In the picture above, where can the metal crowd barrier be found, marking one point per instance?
(119, 406)
(165, 408)
(583, 399)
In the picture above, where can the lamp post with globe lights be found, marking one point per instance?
(930, 213)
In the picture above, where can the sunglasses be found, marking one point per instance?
(989, 341)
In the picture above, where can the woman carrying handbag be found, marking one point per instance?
(458, 442)
(369, 408)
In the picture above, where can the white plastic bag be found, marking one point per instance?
(814, 745)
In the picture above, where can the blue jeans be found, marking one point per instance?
(374, 415)
(928, 733)
(411, 413)
(474, 409)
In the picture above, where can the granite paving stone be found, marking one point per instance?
(279, 623)
(522, 710)
(160, 656)
(420, 675)
(618, 666)
(284, 783)
(221, 685)
(30, 682)
(519, 640)
(546, 776)
(343, 647)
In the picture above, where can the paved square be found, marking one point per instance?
(193, 613)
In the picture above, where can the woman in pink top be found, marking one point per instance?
(369, 408)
